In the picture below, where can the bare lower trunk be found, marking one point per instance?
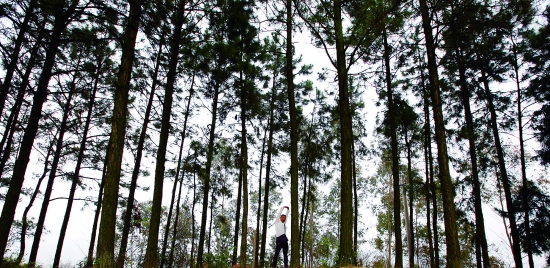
(106, 240)
(394, 157)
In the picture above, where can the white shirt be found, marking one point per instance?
(280, 227)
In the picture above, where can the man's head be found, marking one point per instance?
(283, 218)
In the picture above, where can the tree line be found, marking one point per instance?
(211, 98)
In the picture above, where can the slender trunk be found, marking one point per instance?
(176, 220)
(244, 165)
(429, 194)
(411, 198)
(179, 168)
(52, 176)
(206, 176)
(137, 164)
(481, 240)
(305, 198)
(307, 218)
(433, 189)
(395, 158)
(389, 227)
(294, 196)
(106, 240)
(90, 258)
(528, 244)
(24, 222)
(268, 166)
(151, 256)
(504, 175)
(257, 233)
(237, 217)
(499, 187)
(407, 223)
(14, 56)
(76, 174)
(212, 204)
(16, 183)
(346, 253)
(447, 188)
(193, 234)
(355, 206)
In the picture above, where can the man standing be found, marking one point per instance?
(281, 239)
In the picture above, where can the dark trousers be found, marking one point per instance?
(281, 244)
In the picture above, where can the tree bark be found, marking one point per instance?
(395, 158)
(257, 233)
(427, 159)
(237, 217)
(179, 168)
(151, 256)
(106, 241)
(447, 189)
(528, 244)
(268, 165)
(137, 164)
(206, 176)
(411, 198)
(294, 196)
(346, 253)
(90, 258)
(504, 174)
(481, 240)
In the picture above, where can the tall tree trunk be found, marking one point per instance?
(294, 196)
(407, 224)
(16, 183)
(80, 159)
(137, 164)
(14, 56)
(268, 164)
(193, 234)
(346, 253)
(90, 258)
(151, 256)
(175, 228)
(411, 198)
(106, 240)
(355, 206)
(447, 189)
(237, 217)
(504, 174)
(481, 240)
(178, 170)
(433, 189)
(394, 157)
(528, 244)
(258, 212)
(389, 227)
(206, 176)
(427, 159)
(53, 173)
(24, 222)
(244, 166)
